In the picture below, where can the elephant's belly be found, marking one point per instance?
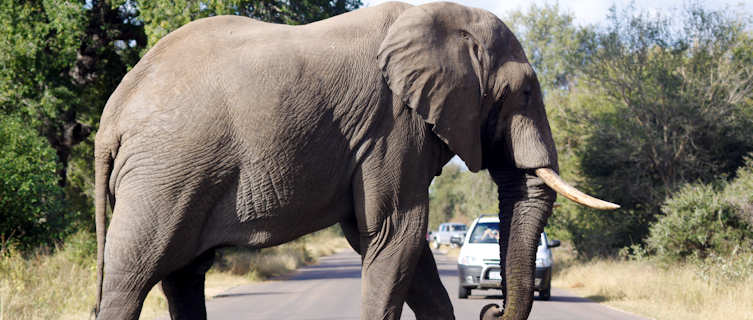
(276, 204)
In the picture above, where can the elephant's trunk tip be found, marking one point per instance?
(553, 180)
(491, 311)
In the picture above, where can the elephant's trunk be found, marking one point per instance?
(526, 199)
(525, 204)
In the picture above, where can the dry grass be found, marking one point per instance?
(43, 286)
(646, 287)
(450, 251)
(276, 261)
(720, 289)
(62, 285)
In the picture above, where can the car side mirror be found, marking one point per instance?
(553, 244)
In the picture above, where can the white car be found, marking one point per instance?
(478, 262)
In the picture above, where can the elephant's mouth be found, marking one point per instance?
(553, 180)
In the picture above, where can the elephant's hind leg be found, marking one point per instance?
(144, 245)
(184, 289)
(132, 254)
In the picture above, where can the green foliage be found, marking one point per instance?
(703, 219)
(652, 103)
(81, 249)
(31, 202)
(460, 195)
(551, 42)
(40, 40)
(60, 62)
(739, 193)
(696, 222)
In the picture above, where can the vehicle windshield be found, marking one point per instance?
(485, 232)
(457, 227)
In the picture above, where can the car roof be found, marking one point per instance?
(488, 218)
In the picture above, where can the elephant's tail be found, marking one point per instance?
(104, 154)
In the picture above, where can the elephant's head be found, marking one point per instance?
(466, 74)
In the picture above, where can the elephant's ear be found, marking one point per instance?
(437, 70)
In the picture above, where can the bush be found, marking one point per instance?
(702, 219)
(739, 193)
(31, 202)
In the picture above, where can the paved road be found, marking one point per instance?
(331, 290)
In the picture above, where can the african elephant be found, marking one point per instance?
(231, 131)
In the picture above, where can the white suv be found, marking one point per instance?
(478, 263)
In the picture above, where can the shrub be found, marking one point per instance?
(702, 219)
(739, 192)
(31, 202)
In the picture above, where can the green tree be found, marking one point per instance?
(551, 42)
(61, 60)
(638, 107)
(661, 106)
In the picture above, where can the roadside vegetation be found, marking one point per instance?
(714, 288)
(59, 283)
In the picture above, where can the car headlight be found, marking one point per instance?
(543, 262)
(469, 260)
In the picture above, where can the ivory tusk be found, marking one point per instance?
(553, 180)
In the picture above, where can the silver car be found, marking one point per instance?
(478, 262)
(449, 234)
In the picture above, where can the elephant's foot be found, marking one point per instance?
(491, 311)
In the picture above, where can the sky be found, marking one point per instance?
(591, 11)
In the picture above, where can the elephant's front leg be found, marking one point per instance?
(427, 297)
(391, 226)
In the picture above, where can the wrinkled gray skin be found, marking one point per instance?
(232, 131)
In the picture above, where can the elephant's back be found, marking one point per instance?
(185, 80)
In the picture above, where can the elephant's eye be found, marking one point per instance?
(526, 95)
(527, 91)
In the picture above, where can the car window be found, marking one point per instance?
(458, 227)
(485, 232)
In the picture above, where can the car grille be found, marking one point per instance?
(494, 262)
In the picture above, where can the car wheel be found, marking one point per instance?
(436, 244)
(545, 294)
(463, 292)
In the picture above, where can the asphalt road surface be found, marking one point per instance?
(331, 290)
